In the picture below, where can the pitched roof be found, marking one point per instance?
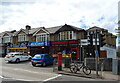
(24, 30)
(40, 28)
(96, 28)
(7, 32)
(56, 28)
(76, 28)
(53, 29)
(33, 30)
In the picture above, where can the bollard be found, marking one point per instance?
(59, 61)
(102, 70)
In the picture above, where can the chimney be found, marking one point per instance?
(13, 31)
(28, 27)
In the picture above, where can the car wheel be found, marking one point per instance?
(44, 64)
(34, 65)
(9, 61)
(30, 59)
(17, 60)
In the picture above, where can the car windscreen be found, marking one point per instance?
(10, 54)
(37, 56)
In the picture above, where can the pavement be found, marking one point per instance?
(106, 75)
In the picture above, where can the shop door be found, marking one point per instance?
(74, 54)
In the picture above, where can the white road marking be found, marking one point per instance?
(52, 78)
(1, 77)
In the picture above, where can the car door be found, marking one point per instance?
(51, 59)
(47, 60)
(24, 56)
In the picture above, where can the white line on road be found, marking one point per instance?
(1, 77)
(52, 78)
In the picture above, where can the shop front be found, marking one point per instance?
(41, 47)
(18, 47)
(69, 48)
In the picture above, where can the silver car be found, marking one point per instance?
(17, 57)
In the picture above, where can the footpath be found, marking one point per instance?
(106, 75)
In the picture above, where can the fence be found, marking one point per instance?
(104, 65)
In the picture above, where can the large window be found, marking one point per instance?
(6, 39)
(67, 35)
(42, 37)
(22, 37)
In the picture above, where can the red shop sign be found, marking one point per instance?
(65, 42)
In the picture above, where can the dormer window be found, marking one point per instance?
(22, 37)
(67, 35)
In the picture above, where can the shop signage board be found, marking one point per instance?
(18, 45)
(40, 43)
(64, 43)
(23, 44)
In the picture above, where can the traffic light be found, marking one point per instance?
(101, 40)
(90, 39)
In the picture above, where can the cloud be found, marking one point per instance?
(80, 13)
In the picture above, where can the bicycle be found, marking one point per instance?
(76, 66)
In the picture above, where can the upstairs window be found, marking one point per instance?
(6, 39)
(67, 35)
(22, 38)
(42, 37)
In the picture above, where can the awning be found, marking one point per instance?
(19, 48)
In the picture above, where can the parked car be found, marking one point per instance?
(17, 57)
(42, 59)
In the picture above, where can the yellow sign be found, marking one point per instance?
(19, 48)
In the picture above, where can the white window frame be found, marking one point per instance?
(22, 37)
(42, 37)
(62, 35)
(6, 39)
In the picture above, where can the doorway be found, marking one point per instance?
(75, 54)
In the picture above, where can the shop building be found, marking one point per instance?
(6, 39)
(110, 41)
(21, 39)
(67, 40)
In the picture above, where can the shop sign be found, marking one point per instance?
(15, 45)
(18, 45)
(47, 43)
(65, 42)
(40, 43)
(36, 43)
(23, 44)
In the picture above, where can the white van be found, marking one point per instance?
(17, 57)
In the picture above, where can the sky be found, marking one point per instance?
(16, 14)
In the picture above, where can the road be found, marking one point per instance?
(24, 71)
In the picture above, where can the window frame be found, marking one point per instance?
(42, 37)
(67, 35)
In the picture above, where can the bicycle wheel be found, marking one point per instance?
(86, 70)
(73, 69)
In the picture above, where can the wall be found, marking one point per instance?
(111, 52)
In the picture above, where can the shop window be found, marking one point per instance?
(67, 35)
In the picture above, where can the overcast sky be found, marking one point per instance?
(80, 13)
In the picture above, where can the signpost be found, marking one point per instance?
(96, 53)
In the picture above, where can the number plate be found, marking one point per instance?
(35, 62)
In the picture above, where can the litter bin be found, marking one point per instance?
(67, 62)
